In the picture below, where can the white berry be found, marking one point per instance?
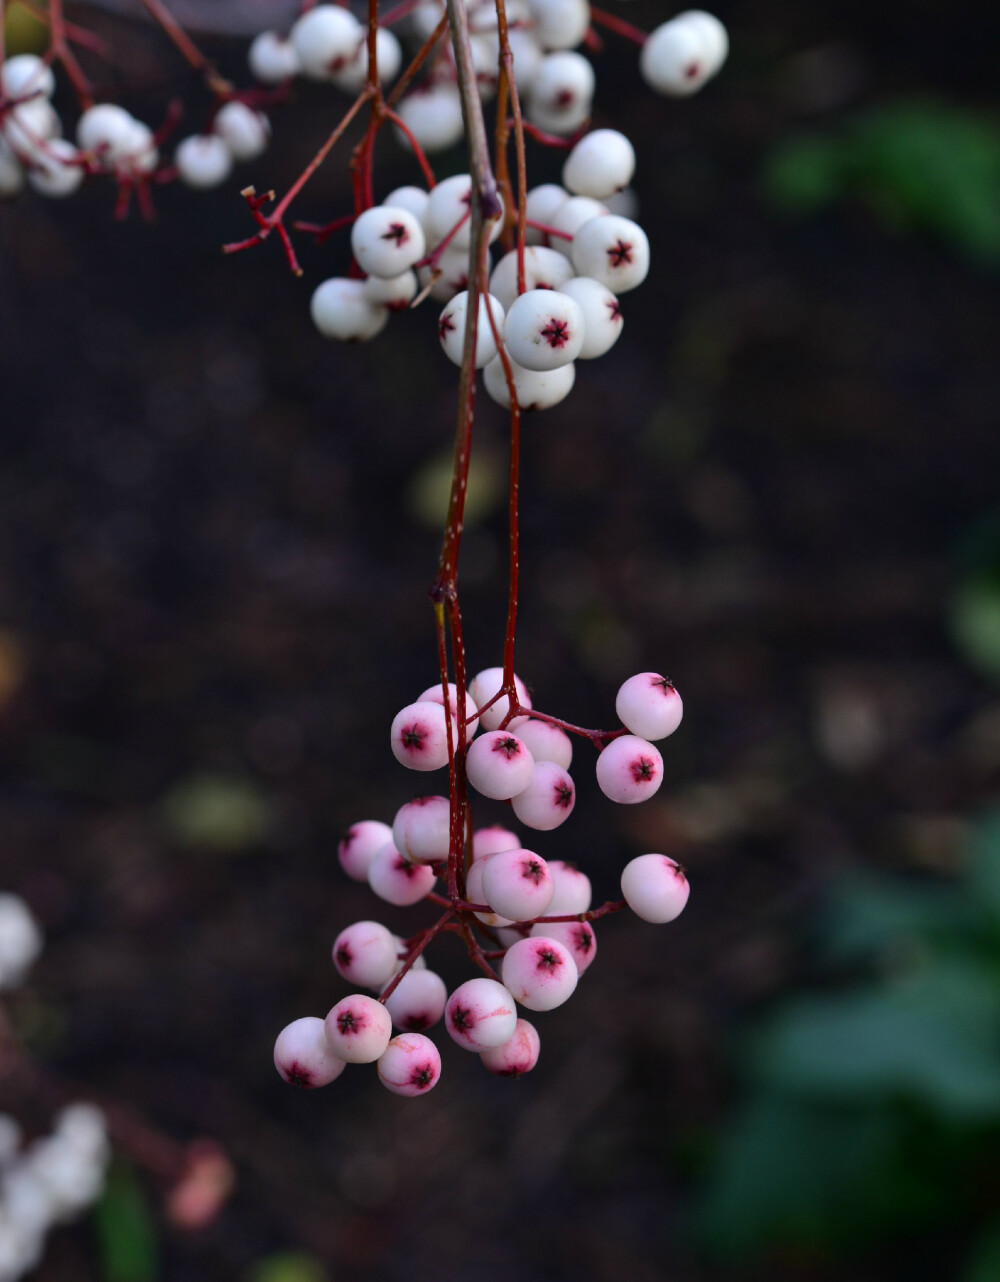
(387, 240)
(544, 330)
(612, 250)
(340, 309)
(600, 164)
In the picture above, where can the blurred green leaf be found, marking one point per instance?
(932, 1037)
(126, 1235)
(983, 880)
(985, 1263)
(220, 812)
(975, 622)
(871, 915)
(803, 175)
(288, 1266)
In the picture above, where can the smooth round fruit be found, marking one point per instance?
(272, 59)
(544, 330)
(420, 830)
(484, 688)
(364, 953)
(358, 1029)
(572, 891)
(600, 164)
(517, 1055)
(629, 770)
(517, 884)
(244, 131)
(534, 389)
(398, 881)
(539, 972)
(340, 309)
(451, 328)
(203, 161)
(409, 1065)
(433, 116)
(655, 887)
(419, 736)
(480, 1014)
(303, 1056)
(55, 172)
(359, 846)
(417, 1002)
(488, 841)
(612, 250)
(548, 800)
(546, 742)
(544, 268)
(602, 315)
(649, 705)
(499, 765)
(577, 937)
(325, 40)
(677, 57)
(387, 240)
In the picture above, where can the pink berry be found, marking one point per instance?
(433, 694)
(421, 830)
(480, 1014)
(419, 736)
(517, 884)
(409, 1065)
(546, 742)
(484, 686)
(539, 972)
(358, 1029)
(418, 1000)
(475, 893)
(402, 948)
(487, 841)
(629, 770)
(302, 1055)
(396, 880)
(655, 887)
(548, 799)
(359, 846)
(499, 765)
(571, 889)
(649, 705)
(365, 954)
(519, 1054)
(577, 937)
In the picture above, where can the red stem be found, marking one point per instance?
(618, 25)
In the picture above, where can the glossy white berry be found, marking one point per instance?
(600, 164)
(548, 800)
(480, 1014)
(203, 160)
(340, 310)
(475, 893)
(613, 250)
(577, 937)
(715, 41)
(55, 171)
(677, 57)
(484, 688)
(27, 127)
(272, 59)
(364, 953)
(417, 1002)
(106, 130)
(539, 972)
(629, 770)
(561, 91)
(244, 131)
(451, 328)
(351, 78)
(398, 881)
(449, 276)
(649, 705)
(543, 330)
(359, 846)
(20, 940)
(602, 315)
(387, 240)
(394, 292)
(499, 765)
(447, 205)
(26, 74)
(570, 217)
(517, 884)
(419, 736)
(303, 1056)
(420, 830)
(140, 154)
(517, 1055)
(409, 1065)
(655, 887)
(544, 268)
(572, 891)
(433, 694)
(540, 206)
(433, 116)
(412, 198)
(546, 742)
(358, 1029)
(559, 24)
(535, 389)
(488, 841)
(325, 40)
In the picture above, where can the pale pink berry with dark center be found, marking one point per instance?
(359, 846)
(517, 1055)
(475, 894)
(421, 830)
(612, 250)
(517, 884)
(419, 736)
(543, 329)
(433, 694)
(576, 936)
(546, 742)
(358, 1029)
(571, 892)
(655, 887)
(487, 841)
(417, 1002)
(539, 972)
(548, 800)
(418, 963)
(303, 1056)
(387, 240)
(365, 954)
(480, 1014)
(649, 705)
(602, 316)
(629, 770)
(499, 765)
(409, 1065)
(398, 881)
(484, 686)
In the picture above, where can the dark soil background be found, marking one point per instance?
(214, 571)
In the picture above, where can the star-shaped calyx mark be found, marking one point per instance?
(398, 233)
(615, 309)
(556, 332)
(620, 253)
(445, 325)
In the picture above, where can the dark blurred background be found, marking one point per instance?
(780, 489)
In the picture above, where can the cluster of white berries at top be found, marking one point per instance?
(537, 912)
(55, 1177)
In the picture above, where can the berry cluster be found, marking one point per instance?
(510, 904)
